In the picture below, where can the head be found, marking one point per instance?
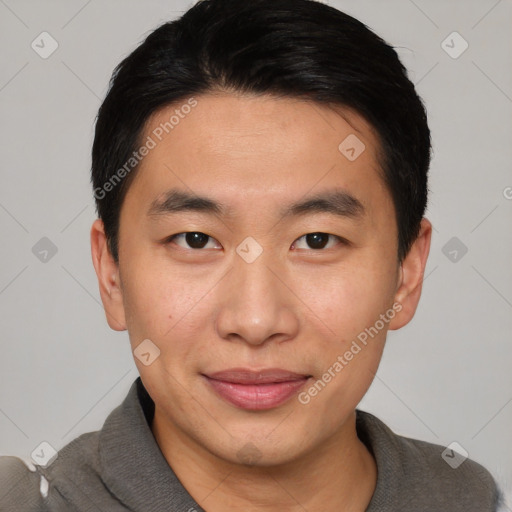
(285, 138)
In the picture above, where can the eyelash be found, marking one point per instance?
(172, 238)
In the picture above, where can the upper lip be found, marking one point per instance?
(247, 376)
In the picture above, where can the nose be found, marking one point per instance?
(256, 305)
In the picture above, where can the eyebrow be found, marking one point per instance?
(176, 200)
(336, 202)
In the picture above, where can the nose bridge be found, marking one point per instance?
(255, 304)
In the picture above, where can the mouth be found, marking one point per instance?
(256, 390)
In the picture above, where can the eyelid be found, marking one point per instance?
(170, 239)
(340, 239)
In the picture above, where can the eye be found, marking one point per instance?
(193, 240)
(317, 241)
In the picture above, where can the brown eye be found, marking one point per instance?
(193, 240)
(316, 241)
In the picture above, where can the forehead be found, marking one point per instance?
(220, 116)
(268, 148)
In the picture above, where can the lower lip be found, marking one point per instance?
(256, 397)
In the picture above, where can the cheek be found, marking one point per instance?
(350, 301)
(347, 299)
(168, 307)
(153, 293)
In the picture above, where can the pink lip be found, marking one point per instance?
(256, 390)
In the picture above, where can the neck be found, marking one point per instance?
(340, 474)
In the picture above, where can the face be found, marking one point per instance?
(255, 253)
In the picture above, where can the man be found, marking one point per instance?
(260, 172)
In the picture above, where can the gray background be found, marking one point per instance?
(445, 377)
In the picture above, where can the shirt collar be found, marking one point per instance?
(133, 466)
(136, 472)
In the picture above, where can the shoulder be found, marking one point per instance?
(450, 473)
(19, 486)
(85, 472)
(426, 476)
(25, 487)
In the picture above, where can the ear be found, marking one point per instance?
(107, 272)
(411, 274)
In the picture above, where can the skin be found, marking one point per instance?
(295, 307)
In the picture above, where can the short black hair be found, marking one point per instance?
(287, 48)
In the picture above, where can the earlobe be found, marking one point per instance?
(107, 272)
(411, 274)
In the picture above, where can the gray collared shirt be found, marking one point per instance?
(120, 468)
